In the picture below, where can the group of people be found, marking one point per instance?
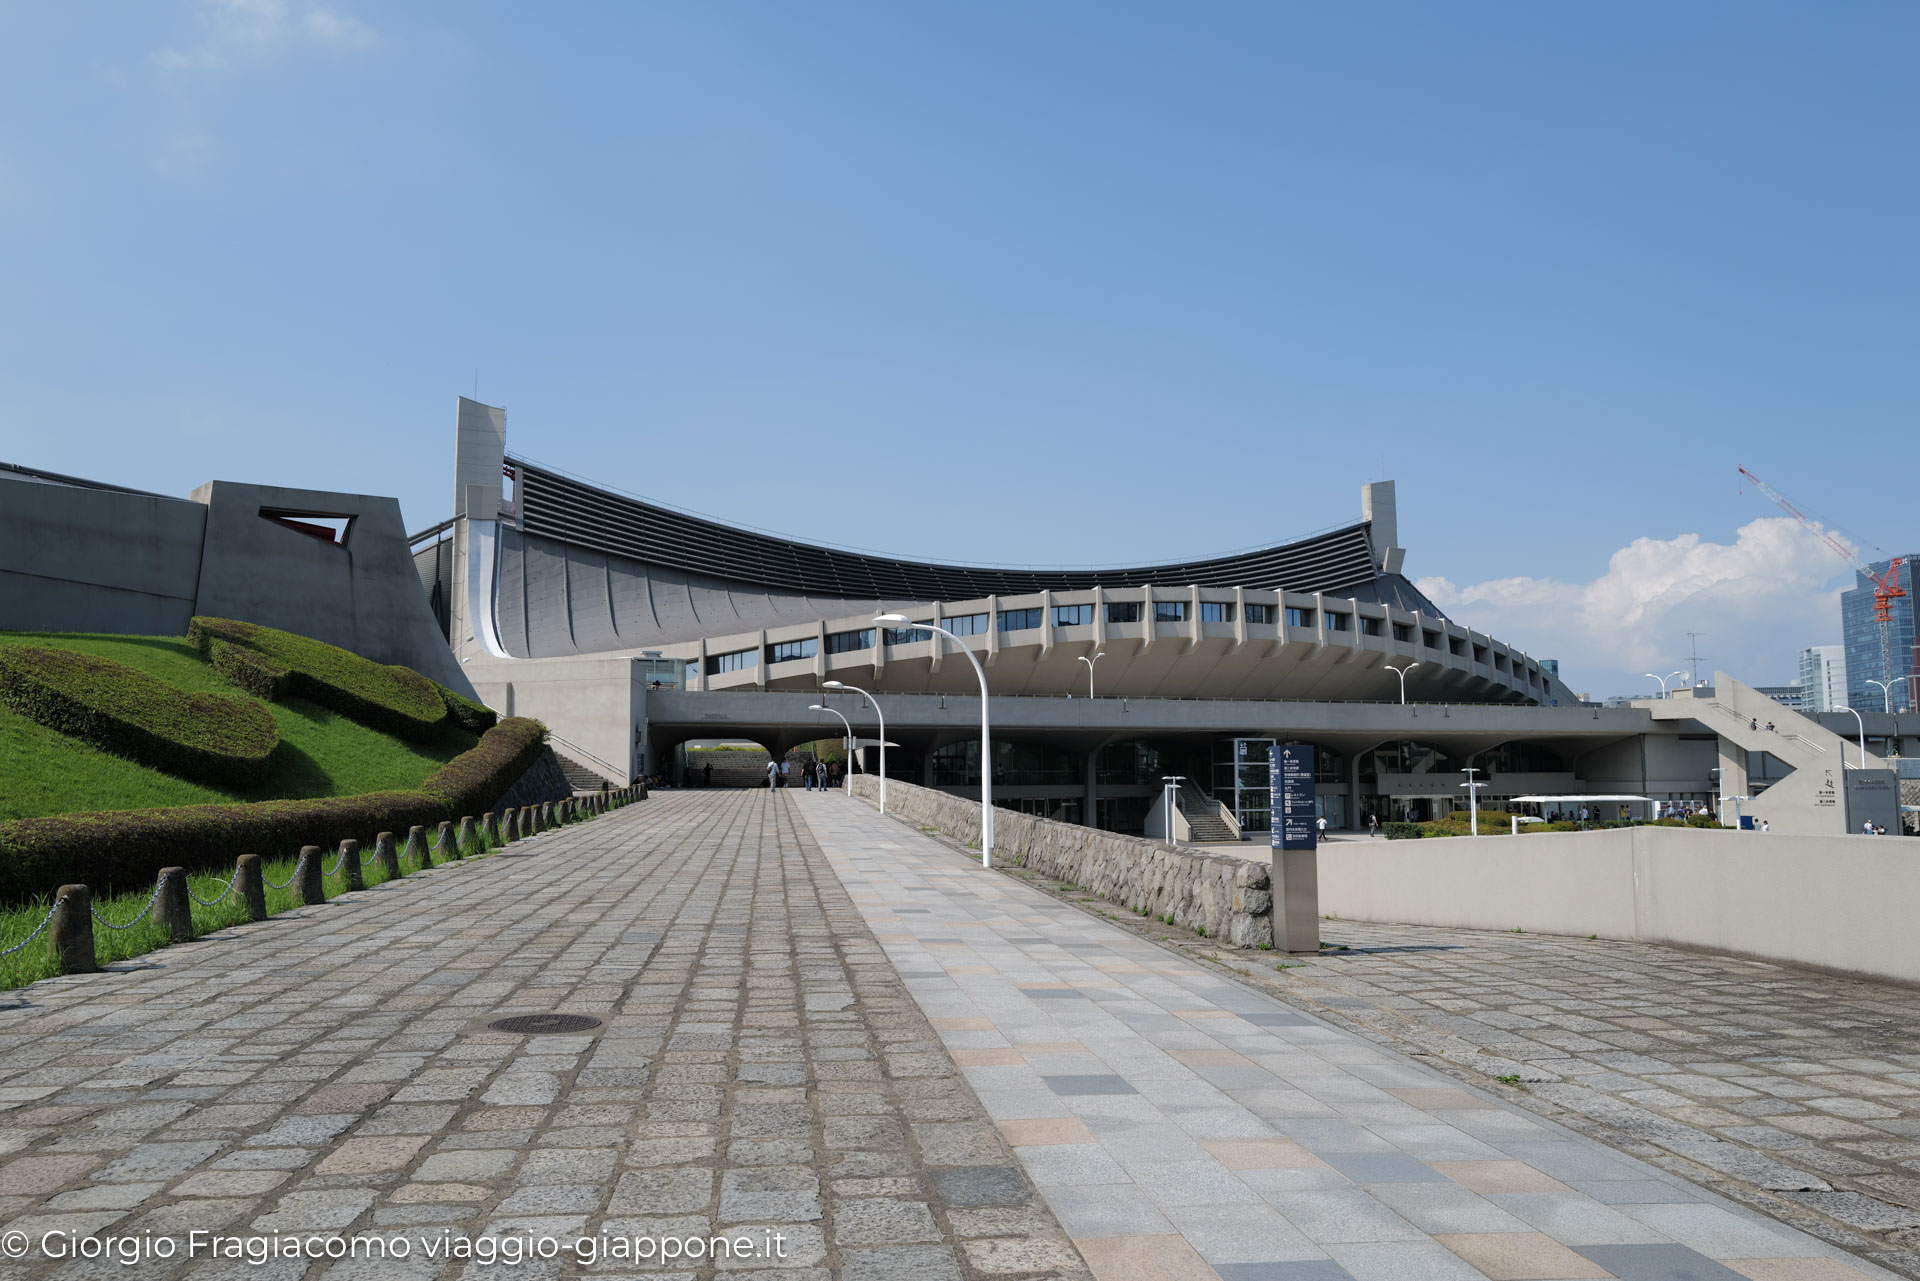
(821, 774)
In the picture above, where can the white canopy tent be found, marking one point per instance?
(1588, 799)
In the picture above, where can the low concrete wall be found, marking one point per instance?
(1230, 898)
(1839, 903)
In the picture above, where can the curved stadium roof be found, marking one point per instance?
(561, 508)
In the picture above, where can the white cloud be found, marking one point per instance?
(332, 28)
(1758, 601)
(239, 30)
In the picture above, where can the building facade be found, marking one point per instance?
(1823, 677)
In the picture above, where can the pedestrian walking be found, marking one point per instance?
(1373, 825)
(1320, 825)
(820, 768)
(773, 774)
(784, 775)
(806, 772)
(706, 774)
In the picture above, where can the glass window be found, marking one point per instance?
(1019, 620)
(739, 661)
(1430, 639)
(1455, 645)
(907, 635)
(1403, 632)
(693, 671)
(1259, 613)
(849, 642)
(967, 625)
(1299, 617)
(1169, 611)
(1337, 622)
(1124, 611)
(1369, 626)
(1479, 653)
(1215, 611)
(787, 651)
(1072, 615)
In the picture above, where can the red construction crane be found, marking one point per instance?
(1886, 585)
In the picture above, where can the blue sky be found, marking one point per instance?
(1062, 283)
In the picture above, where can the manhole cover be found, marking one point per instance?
(545, 1024)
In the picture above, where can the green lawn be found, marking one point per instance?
(321, 753)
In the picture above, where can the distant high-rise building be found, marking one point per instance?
(1861, 633)
(1794, 695)
(1823, 675)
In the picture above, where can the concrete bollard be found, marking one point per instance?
(249, 887)
(387, 856)
(416, 844)
(73, 930)
(441, 843)
(563, 813)
(491, 826)
(307, 890)
(171, 906)
(539, 818)
(508, 831)
(350, 864)
(468, 839)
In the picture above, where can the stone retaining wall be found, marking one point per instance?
(1229, 898)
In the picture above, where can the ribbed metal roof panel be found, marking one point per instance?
(568, 510)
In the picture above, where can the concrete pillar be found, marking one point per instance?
(248, 886)
(307, 889)
(1090, 814)
(386, 856)
(1355, 819)
(443, 842)
(73, 930)
(491, 825)
(416, 844)
(509, 826)
(171, 907)
(350, 864)
(469, 838)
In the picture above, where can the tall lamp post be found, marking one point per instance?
(1473, 786)
(1663, 683)
(1863, 738)
(848, 740)
(1670, 675)
(1090, 662)
(883, 735)
(1886, 693)
(986, 743)
(1171, 793)
(1401, 672)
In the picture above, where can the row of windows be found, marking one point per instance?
(739, 661)
(1019, 620)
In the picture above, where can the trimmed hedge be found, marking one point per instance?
(279, 665)
(125, 850)
(477, 717)
(211, 738)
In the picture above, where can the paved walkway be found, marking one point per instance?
(760, 1073)
(1184, 1126)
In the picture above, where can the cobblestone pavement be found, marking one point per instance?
(1183, 1125)
(1792, 1091)
(760, 1071)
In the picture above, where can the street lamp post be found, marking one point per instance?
(1682, 674)
(1886, 693)
(1863, 738)
(1663, 683)
(986, 743)
(1401, 672)
(1171, 792)
(848, 740)
(1473, 787)
(1090, 662)
(883, 735)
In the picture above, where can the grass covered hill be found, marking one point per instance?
(321, 751)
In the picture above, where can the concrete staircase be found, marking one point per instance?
(1205, 822)
(579, 777)
(731, 769)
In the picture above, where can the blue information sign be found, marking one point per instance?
(1290, 776)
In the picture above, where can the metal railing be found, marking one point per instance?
(584, 756)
